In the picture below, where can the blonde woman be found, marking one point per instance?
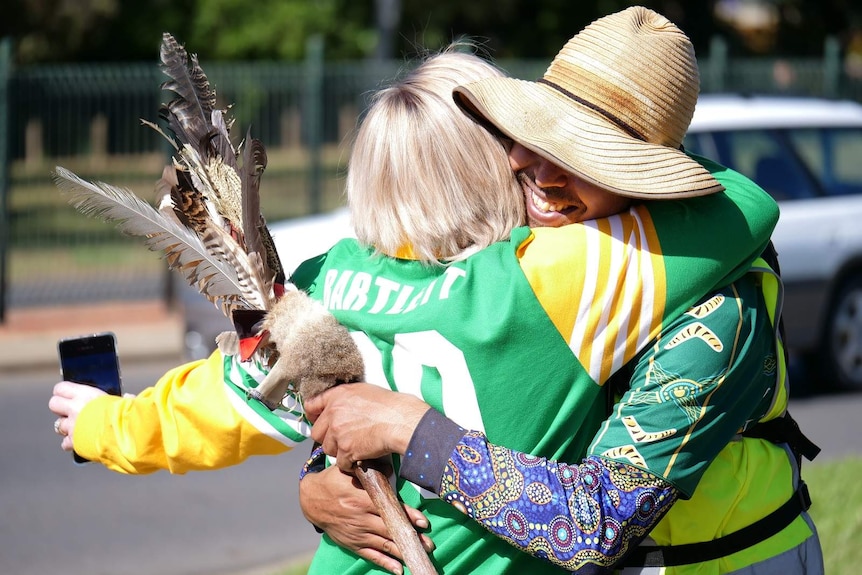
(436, 187)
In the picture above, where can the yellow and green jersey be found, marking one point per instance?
(518, 340)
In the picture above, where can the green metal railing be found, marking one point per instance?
(5, 72)
(87, 118)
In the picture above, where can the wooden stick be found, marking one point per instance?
(402, 531)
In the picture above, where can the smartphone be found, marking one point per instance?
(92, 360)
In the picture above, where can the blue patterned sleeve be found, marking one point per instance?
(581, 517)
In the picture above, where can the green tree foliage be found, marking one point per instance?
(123, 30)
(527, 29)
(45, 29)
(278, 29)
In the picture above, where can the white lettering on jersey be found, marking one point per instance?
(346, 289)
(449, 276)
(339, 289)
(403, 294)
(387, 287)
(413, 351)
(328, 282)
(357, 295)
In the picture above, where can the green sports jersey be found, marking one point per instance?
(511, 343)
(457, 337)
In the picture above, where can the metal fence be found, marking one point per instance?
(87, 118)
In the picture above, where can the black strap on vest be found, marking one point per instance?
(782, 429)
(668, 556)
(770, 256)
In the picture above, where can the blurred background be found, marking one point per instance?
(77, 77)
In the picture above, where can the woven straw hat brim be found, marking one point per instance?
(574, 137)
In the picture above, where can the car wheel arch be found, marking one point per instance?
(846, 284)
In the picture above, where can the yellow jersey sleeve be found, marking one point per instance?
(196, 417)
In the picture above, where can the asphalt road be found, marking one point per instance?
(56, 517)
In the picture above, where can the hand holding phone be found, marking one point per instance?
(91, 360)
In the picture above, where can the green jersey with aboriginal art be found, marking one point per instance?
(512, 342)
(711, 373)
(717, 359)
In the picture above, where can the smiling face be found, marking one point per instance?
(555, 197)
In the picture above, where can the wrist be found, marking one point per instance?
(430, 446)
(406, 426)
(315, 463)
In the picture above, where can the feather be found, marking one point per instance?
(220, 186)
(225, 283)
(166, 184)
(208, 222)
(257, 237)
(211, 187)
(192, 115)
(249, 267)
(187, 115)
(170, 139)
(190, 205)
(273, 263)
(177, 199)
(253, 165)
(222, 127)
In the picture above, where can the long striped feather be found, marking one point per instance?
(224, 281)
(250, 271)
(192, 115)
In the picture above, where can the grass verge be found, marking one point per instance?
(836, 493)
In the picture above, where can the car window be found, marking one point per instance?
(834, 155)
(698, 143)
(759, 154)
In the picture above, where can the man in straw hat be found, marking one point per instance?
(685, 455)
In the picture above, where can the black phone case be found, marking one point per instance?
(91, 360)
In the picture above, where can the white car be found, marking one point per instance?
(807, 153)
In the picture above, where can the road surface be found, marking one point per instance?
(56, 517)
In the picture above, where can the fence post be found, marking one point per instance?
(5, 75)
(313, 117)
(831, 66)
(170, 297)
(717, 71)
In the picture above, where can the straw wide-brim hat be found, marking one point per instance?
(613, 107)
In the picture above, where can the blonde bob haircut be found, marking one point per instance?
(424, 179)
